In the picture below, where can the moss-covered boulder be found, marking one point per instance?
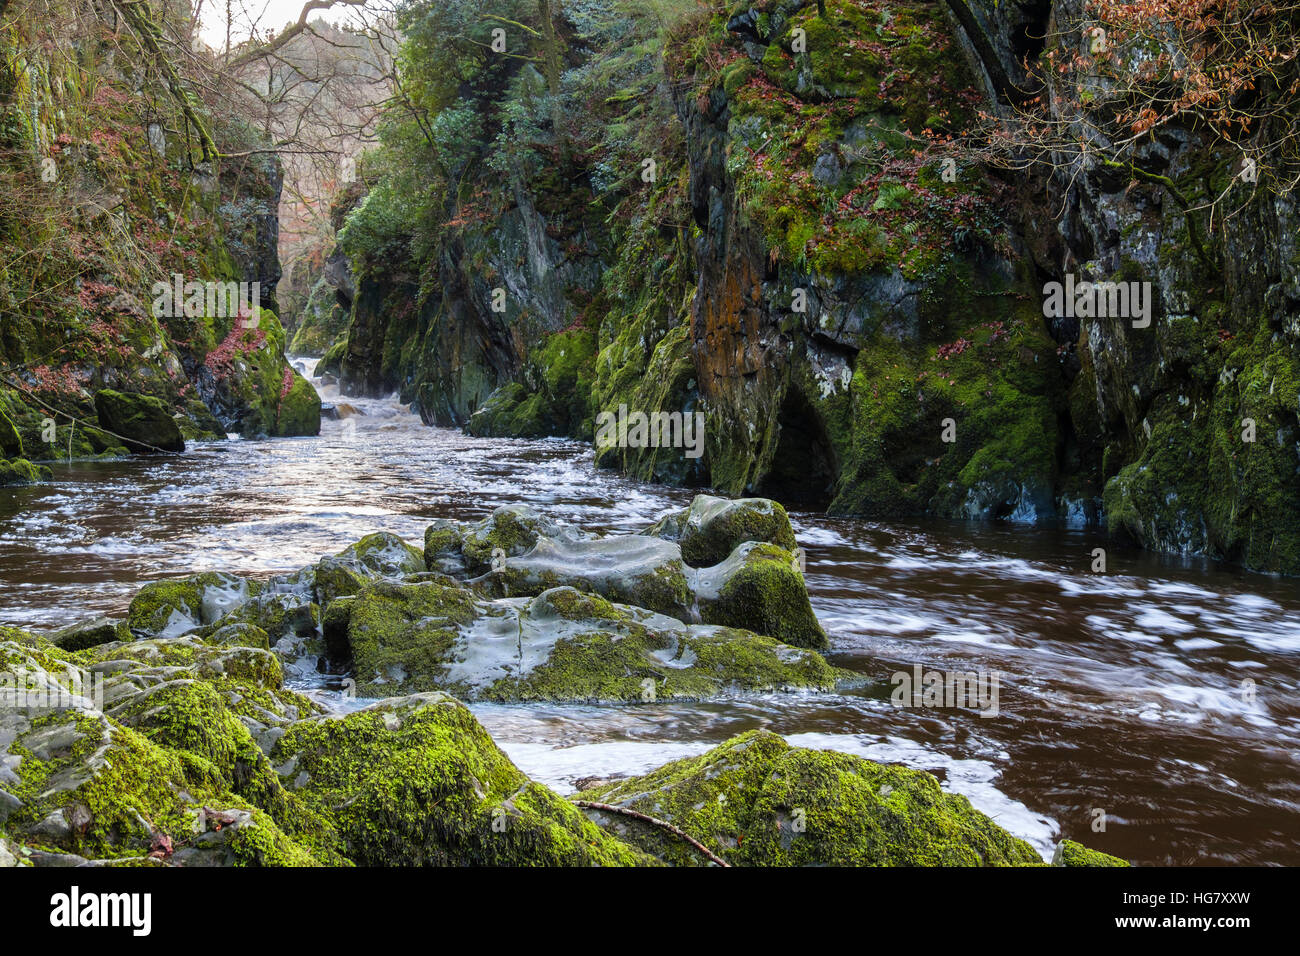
(298, 412)
(100, 630)
(513, 411)
(171, 608)
(630, 569)
(757, 801)
(383, 554)
(375, 556)
(20, 471)
(510, 531)
(417, 781)
(444, 546)
(142, 421)
(289, 621)
(1069, 853)
(562, 645)
(712, 528)
(760, 587)
(144, 785)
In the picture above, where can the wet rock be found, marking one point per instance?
(760, 587)
(382, 554)
(444, 543)
(100, 630)
(377, 772)
(510, 531)
(175, 738)
(629, 569)
(172, 608)
(11, 854)
(1069, 853)
(711, 528)
(142, 421)
(20, 471)
(562, 645)
(757, 801)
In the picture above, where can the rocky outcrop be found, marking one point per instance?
(110, 202)
(757, 801)
(141, 421)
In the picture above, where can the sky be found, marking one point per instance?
(268, 14)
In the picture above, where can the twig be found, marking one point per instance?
(662, 824)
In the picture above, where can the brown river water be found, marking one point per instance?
(1163, 694)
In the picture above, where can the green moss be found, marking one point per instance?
(383, 553)
(20, 471)
(761, 588)
(1198, 485)
(399, 635)
(995, 390)
(130, 796)
(442, 539)
(322, 321)
(710, 529)
(163, 604)
(513, 529)
(90, 634)
(298, 413)
(142, 421)
(376, 773)
(755, 801)
(513, 411)
(193, 717)
(1069, 853)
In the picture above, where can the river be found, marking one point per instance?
(1160, 699)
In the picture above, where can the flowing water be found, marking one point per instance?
(1162, 693)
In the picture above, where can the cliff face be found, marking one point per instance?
(1196, 415)
(857, 308)
(858, 325)
(106, 201)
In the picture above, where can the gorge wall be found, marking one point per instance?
(109, 191)
(768, 217)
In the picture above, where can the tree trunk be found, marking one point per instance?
(551, 57)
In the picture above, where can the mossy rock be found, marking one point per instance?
(712, 528)
(383, 554)
(760, 587)
(1069, 853)
(86, 785)
(143, 422)
(20, 471)
(511, 530)
(512, 411)
(101, 630)
(417, 781)
(172, 608)
(562, 645)
(444, 544)
(757, 801)
(629, 569)
(298, 413)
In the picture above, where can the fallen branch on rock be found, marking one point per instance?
(662, 824)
